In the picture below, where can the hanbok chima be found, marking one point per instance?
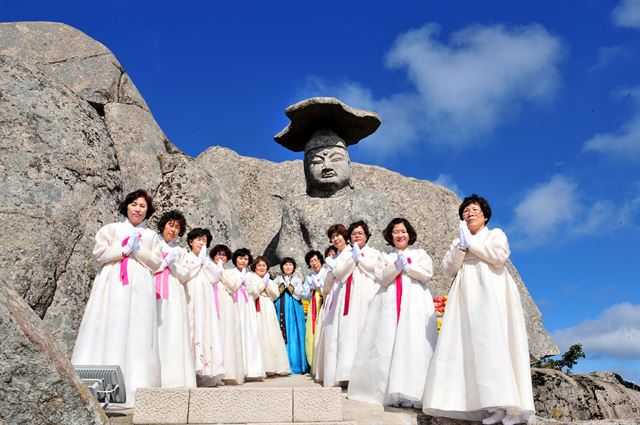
(119, 325)
(231, 329)
(274, 351)
(292, 321)
(481, 361)
(313, 292)
(329, 287)
(347, 312)
(206, 338)
(250, 336)
(174, 335)
(399, 335)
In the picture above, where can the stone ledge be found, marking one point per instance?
(161, 406)
(317, 404)
(240, 405)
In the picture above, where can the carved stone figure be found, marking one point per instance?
(323, 127)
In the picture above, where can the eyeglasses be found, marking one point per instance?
(471, 210)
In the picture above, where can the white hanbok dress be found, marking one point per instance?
(329, 287)
(119, 325)
(174, 334)
(313, 292)
(399, 336)
(274, 351)
(481, 361)
(347, 312)
(234, 371)
(206, 339)
(250, 336)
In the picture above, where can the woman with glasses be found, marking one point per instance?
(400, 332)
(482, 352)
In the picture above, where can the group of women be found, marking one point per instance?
(173, 317)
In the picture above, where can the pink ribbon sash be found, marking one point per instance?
(399, 293)
(244, 292)
(162, 282)
(124, 275)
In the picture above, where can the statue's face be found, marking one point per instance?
(328, 168)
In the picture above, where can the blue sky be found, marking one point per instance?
(535, 105)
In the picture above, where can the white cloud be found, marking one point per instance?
(469, 84)
(627, 14)
(606, 55)
(625, 142)
(447, 181)
(552, 210)
(464, 87)
(616, 333)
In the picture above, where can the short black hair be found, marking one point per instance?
(173, 215)
(286, 260)
(311, 254)
(329, 248)
(480, 201)
(220, 248)
(196, 233)
(362, 224)
(241, 252)
(140, 193)
(387, 233)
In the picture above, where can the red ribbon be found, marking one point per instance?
(399, 293)
(162, 282)
(347, 296)
(258, 305)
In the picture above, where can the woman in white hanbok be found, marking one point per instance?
(228, 314)
(244, 297)
(119, 326)
(317, 367)
(334, 302)
(480, 369)
(400, 332)
(274, 351)
(174, 335)
(206, 339)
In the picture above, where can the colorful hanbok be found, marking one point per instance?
(119, 325)
(292, 321)
(313, 292)
(482, 353)
(399, 335)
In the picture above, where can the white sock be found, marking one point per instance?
(495, 418)
(511, 420)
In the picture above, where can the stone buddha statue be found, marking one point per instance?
(323, 128)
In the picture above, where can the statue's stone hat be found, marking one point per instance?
(325, 113)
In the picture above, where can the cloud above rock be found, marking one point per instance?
(465, 86)
(615, 333)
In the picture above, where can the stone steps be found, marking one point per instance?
(239, 405)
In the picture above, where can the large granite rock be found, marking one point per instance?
(61, 183)
(593, 396)
(37, 381)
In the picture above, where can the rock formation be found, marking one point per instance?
(76, 135)
(37, 381)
